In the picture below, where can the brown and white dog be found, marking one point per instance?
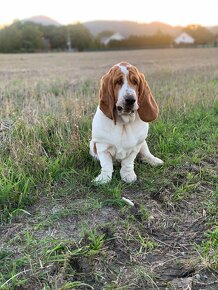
(120, 124)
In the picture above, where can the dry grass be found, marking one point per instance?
(74, 66)
(32, 82)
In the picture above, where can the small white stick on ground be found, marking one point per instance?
(128, 201)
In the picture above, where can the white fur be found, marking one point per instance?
(125, 89)
(121, 142)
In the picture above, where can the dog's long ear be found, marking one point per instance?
(148, 108)
(107, 97)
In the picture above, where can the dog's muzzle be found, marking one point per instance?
(128, 105)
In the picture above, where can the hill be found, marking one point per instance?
(43, 20)
(213, 29)
(127, 28)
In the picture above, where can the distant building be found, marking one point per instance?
(184, 38)
(115, 36)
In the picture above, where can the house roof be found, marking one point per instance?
(115, 36)
(184, 37)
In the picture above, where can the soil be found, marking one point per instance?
(176, 227)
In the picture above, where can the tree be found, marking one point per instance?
(201, 34)
(58, 38)
(31, 37)
(79, 36)
(10, 38)
(134, 42)
(20, 37)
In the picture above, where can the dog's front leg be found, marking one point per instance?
(127, 168)
(106, 162)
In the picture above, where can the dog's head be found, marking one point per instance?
(124, 91)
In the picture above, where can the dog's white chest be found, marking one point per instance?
(119, 139)
(127, 140)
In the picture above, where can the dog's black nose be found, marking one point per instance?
(130, 100)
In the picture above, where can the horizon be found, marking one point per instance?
(171, 12)
(107, 20)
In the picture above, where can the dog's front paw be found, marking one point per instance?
(128, 176)
(102, 178)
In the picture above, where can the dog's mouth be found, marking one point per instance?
(125, 111)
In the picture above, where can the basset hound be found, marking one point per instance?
(120, 124)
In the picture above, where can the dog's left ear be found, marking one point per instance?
(148, 108)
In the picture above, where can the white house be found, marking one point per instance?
(184, 38)
(115, 36)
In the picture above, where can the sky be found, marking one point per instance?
(173, 12)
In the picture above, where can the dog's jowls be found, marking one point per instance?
(120, 124)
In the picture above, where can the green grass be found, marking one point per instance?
(60, 173)
(38, 158)
(209, 249)
(61, 231)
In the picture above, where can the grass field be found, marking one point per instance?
(60, 231)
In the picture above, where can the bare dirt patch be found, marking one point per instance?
(138, 251)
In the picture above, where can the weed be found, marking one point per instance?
(145, 243)
(76, 284)
(96, 241)
(209, 249)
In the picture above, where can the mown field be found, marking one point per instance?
(59, 230)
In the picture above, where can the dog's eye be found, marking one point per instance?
(135, 82)
(119, 82)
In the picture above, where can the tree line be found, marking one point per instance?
(31, 37)
(201, 35)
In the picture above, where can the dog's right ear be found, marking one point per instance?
(107, 97)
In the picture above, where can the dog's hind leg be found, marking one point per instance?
(145, 154)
